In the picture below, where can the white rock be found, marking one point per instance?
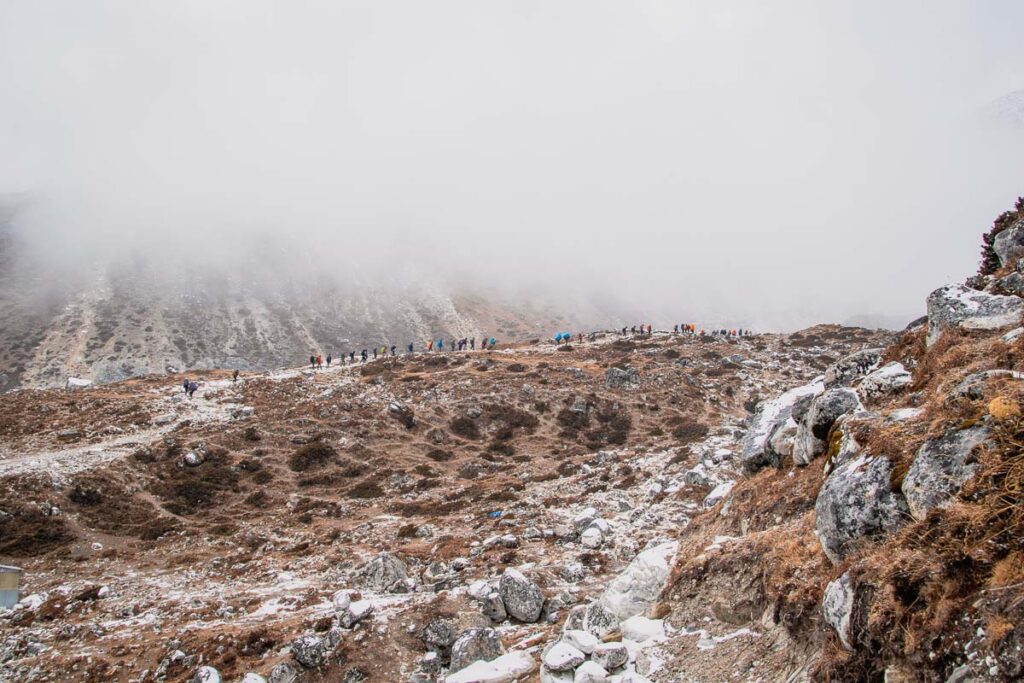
(584, 641)
(253, 678)
(563, 657)
(591, 672)
(633, 591)
(507, 668)
(206, 674)
(341, 600)
(548, 676)
(611, 655)
(718, 493)
(592, 538)
(583, 519)
(356, 612)
(641, 629)
(837, 607)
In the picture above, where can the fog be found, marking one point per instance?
(773, 164)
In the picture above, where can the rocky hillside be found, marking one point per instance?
(110, 321)
(831, 505)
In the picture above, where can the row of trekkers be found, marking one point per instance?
(685, 328)
(317, 362)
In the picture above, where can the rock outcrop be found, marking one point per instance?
(940, 468)
(956, 306)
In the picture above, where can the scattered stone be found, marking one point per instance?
(193, 458)
(584, 641)
(837, 608)
(563, 657)
(309, 651)
(622, 378)
(493, 607)
(973, 386)
(611, 656)
(253, 678)
(523, 598)
(206, 674)
(591, 672)
(641, 629)
(718, 494)
(475, 644)
(507, 668)
(886, 380)
(592, 538)
(385, 574)
(355, 612)
(857, 503)
(940, 468)
(847, 369)
(284, 673)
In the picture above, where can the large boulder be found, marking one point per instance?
(1009, 244)
(940, 468)
(385, 574)
(523, 598)
(847, 369)
(957, 306)
(810, 440)
(473, 645)
(857, 503)
(886, 380)
(756, 451)
(309, 651)
(632, 592)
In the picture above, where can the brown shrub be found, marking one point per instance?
(311, 456)
(465, 427)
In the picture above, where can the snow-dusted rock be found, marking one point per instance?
(253, 678)
(309, 651)
(77, 383)
(956, 306)
(973, 386)
(639, 585)
(522, 597)
(563, 657)
(857, 502)
(627, 378)
(341, 600)
(284, 672)
(385, 574)
(505, 669)
(591, 538)
(206, 674)
(781, 442)
(837, 608)
(475, 644)
(610, 655)
(493, 607)
(847, 369)
(193, 458)
(439, 634)
(940, 468)
(584, 518)
(718, 493)
(584, 641)
(888, 379)
(822, 414)
(548, 676)
(641, 629)
(355, 612)
(770, 416)
(591, 672)
(1009, 244)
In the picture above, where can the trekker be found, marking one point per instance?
(440, 344)
(393, 350)
(375, 353)
(364, 354)
(410, 347)
(312, 362)
(632, 330)
(184, 385)
(430, 345)
(320, 362)
(648, 330)
(623, 331)
(472, 344)
(192, 387)
(329, 360)
(234, 377)
(581, 337)
(352, 356)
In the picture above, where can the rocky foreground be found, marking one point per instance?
(833, 505)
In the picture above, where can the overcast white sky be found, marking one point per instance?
(778, 162)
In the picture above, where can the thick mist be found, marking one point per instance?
(766, 165)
